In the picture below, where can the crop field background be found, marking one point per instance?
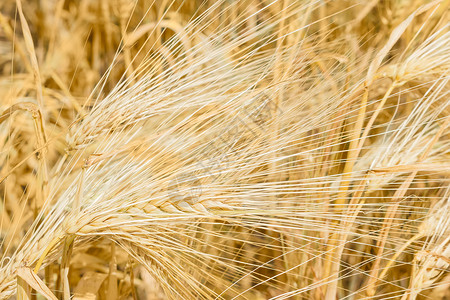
(219, 149)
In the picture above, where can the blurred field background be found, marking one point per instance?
(248, 149)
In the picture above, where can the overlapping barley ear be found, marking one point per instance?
(225, 149)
